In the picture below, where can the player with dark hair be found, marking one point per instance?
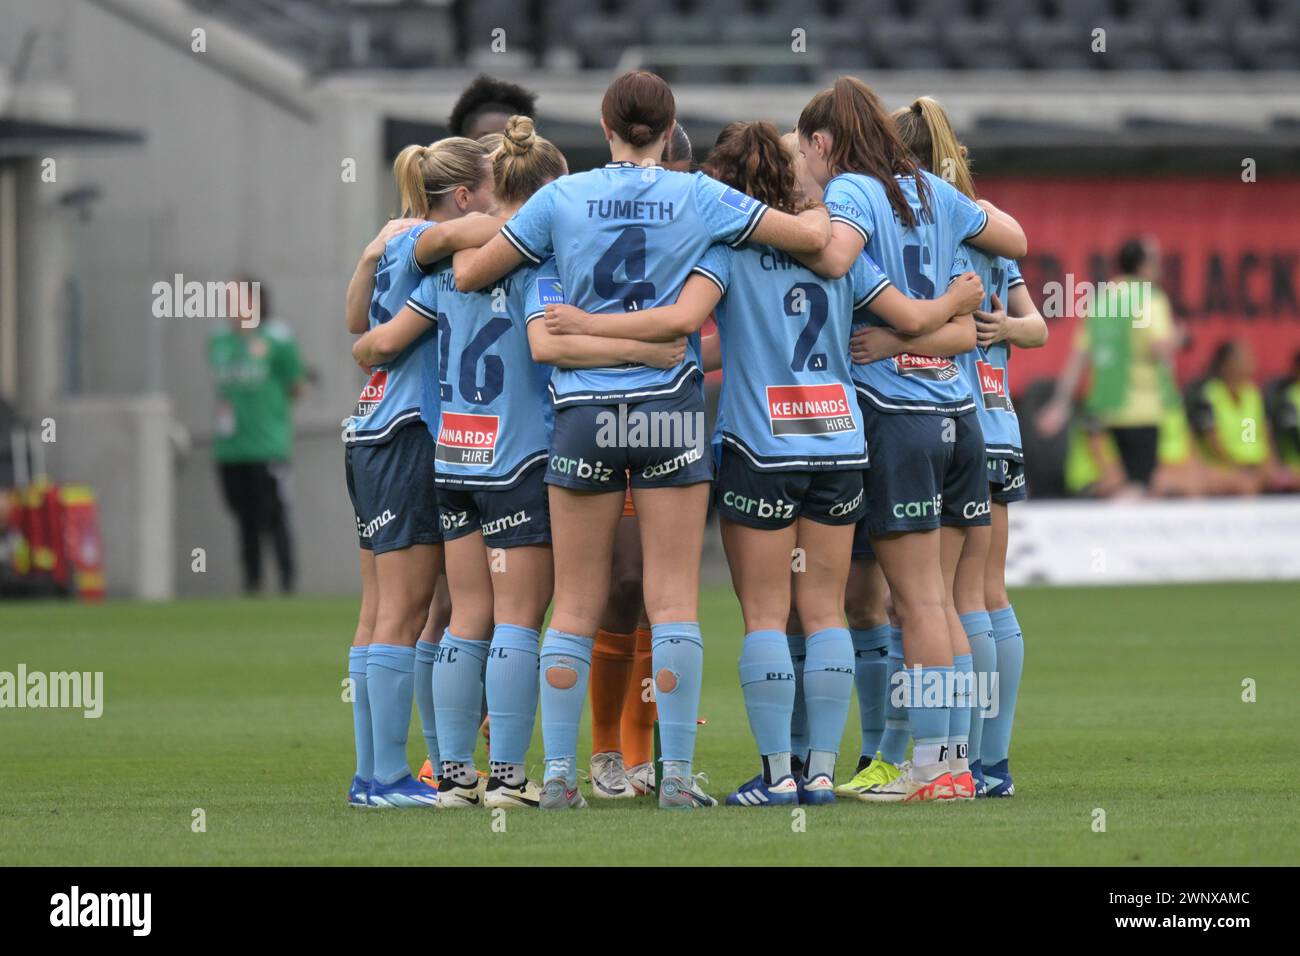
(486, 104)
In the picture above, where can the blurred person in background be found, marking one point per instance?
(1128, 342)
(258, 373)
(1227, 414)
(1282, 401)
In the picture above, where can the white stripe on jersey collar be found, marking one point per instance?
(628, 164)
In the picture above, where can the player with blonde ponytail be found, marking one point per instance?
(980, 599)
(389, 458)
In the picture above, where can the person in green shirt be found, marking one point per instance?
(1230, 421)
(258, 373)
(1128, 341)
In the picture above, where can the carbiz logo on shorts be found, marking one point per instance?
(581, 468)
(368, 530)
(758, 507)
(506, 523)
(631, 428)
(926, 508)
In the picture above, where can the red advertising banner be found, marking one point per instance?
(1230, 257)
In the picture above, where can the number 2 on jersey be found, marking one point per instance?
(807, 299)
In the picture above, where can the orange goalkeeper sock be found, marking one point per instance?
(611, 665)
(639, 713)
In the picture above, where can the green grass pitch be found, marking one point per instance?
(1132, 704)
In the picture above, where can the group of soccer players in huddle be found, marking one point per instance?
(532, 430)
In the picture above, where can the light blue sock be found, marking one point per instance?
(390, 679)
(799, 716)
(870, 673)
(928, 708)
(893, 742)
(828, 689)
(457, 693)
(425, 654)
(512, 691)
(1010, 645)
(677, 650)
(959, 715)
(767, 683)
(565, 660)
(979, 631)
(362, 732)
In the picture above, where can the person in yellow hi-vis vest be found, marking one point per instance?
(1232, 427)
(1127, 340)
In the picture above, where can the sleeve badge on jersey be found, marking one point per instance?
(549, 291)
(737, 200)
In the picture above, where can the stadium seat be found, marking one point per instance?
(484, 16)
(1056, 35)
(1132, 34)
(904, 33)
(1200, 39)
(977, 34)
(1269, 39)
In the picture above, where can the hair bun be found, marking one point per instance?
(519, 135)
(640, 134)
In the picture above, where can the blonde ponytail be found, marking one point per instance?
(423, 173)
(524, 162)
(928, 133)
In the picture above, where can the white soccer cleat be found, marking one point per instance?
(452, 795)
(609, 780)
(642, 778)
(505, 796)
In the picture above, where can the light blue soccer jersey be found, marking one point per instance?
(625, 237)
(917, 259)
(395, 394)
(494, 421)
(987, 370)
(787, 393)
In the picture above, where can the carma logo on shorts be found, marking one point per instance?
(367, 530)
(925, 508)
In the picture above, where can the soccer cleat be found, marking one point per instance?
(501, 794)
(908, 787)
(756, 793)
(963, 786)
(642, 778)
(681, 793)
(818, 791)
(403, 794)
(456, 795)
(556, 795)
(426, 774)
(977, 771)
(608, 777)
(997, 779)
(359, 793)
(878, 773)
(863, 763)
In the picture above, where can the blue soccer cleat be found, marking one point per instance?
(359, 793)
(977, 771)
(756, 793)
(998, 780)
(403, 794)
(817, 791)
